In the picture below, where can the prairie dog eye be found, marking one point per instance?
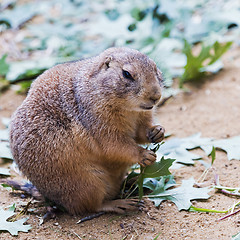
(127, 75)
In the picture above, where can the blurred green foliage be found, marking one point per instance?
(4, 67)
(166, 30)
(195, 68)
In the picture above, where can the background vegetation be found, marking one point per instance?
(49, 32)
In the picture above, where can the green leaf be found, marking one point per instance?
(108, 29)
(12, 208)
(4, 67)
(163, 182)
(194, 64)
(178, 148)
(167, 54)
(24, 87)
(236, 236)
(157, 236)
(158, 169)
(155, 170)
(14, 18)
(4, 134)
(4, 84)
(8, 187)
(29, 69)
(213, 155)
(4, 171)
(138, 14)
(212, 21)
(5, 121)
(196, 67)
(175, 148)
(181, 196)
(195, 141)
(219, 50)
(230, 145)
(5, 150)
(195, 209)
(12, 227)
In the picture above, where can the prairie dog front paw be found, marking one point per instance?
(148, 158)
(156, 134)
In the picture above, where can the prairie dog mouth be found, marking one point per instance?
(146, 107)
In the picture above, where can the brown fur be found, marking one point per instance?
(77, 131)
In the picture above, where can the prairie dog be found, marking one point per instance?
(78, 130)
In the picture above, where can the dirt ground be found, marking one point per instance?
(212, 108)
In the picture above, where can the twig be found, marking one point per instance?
(76, 235)
(202, 184)
(123, 188)
(22, 212)
(133, 184)
(216, 179)
(229, 215)
(203, 176)
(206, 171)
(230, 193)
(131, 192)
(226, 190)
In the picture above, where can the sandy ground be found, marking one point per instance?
(212, 108)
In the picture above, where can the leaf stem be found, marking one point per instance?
(193, 209)
(230, 193)
(131, 192)
(229, 215)
(140, 183)
(225, 188)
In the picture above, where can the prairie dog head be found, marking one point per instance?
(131, 77)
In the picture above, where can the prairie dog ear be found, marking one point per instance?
(107, 61)
(104, 63)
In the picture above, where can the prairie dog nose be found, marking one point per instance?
(155, 95)
(154, 100)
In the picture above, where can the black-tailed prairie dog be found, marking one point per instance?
(78, 130)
